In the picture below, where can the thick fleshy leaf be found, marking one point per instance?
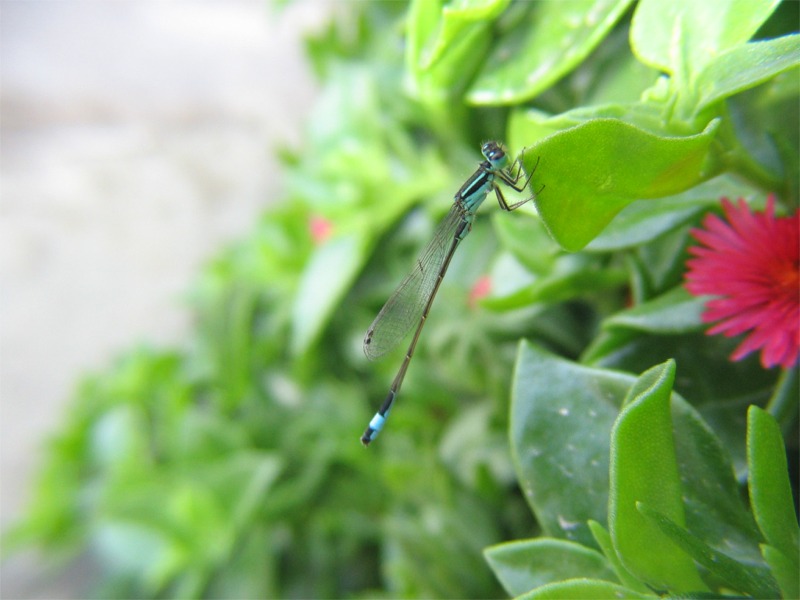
(674, 312)
(526, 564)
(527, 126)
(421, 23)
(561, 417)
(713, 507)
(644, 221)
(745, 67)
(720, 389)
(682, 36)
(784, 570)
(603, 539)
(592, 171)
(571, 276)
(644, 468)
(754, 581)
(445, 47)
(544, 48)
(583, 588)
(455, 19)
(768, 482)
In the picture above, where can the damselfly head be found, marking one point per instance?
(495, 154)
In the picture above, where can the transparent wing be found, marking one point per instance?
(404, 308)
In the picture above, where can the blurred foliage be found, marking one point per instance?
(230, 467)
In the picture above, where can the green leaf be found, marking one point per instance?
(329, 274)
(456, 17)
(712, 502)
(784, 569)
(525, 564)
(527, 239)
(661, 263)
(614, 74)
(641, 222)
(768, 482)
(420, 538)
(644, 469)
(527, 126)
(677, 311)
(603, 539)
(572, 276)
(583, 588)
(421, 22)
(682, 36)
(232, 343)
(445, 46)
(561, 416)
(783, 404)
(754, 581)
(746, 66)
(596, 169)
(720, 389)
(543, 48)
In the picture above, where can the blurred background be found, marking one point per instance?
(137, 137)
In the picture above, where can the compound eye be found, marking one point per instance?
(492, 151)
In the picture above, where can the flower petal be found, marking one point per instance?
(750, 264)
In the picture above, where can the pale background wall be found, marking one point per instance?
(136, 137)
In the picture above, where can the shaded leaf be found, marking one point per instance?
(674, 312)
(572, 277)
(561, 417)
(713, 508)
(641, 222)
(768, 482)
(326, 278)
(525, 564)
(754, 581)
(603, 539)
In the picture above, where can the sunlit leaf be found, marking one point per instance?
(681, 37)
(592, 171)
(543, 48)
(603, 539)
(746, 66)
(644, 469)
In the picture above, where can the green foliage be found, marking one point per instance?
(230, 467)
(673, 501)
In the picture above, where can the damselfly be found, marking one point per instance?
(412, 300)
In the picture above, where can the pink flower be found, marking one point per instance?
(480, 290)
(751, 263)
(321, 229)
